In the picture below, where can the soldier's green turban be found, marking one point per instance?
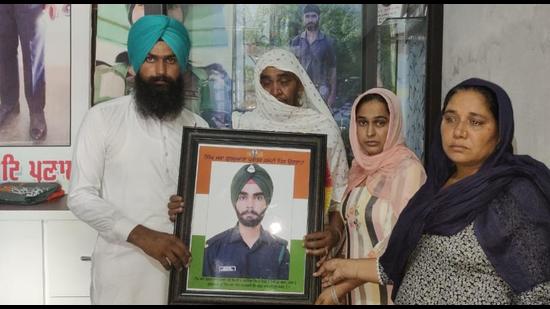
(258, 174)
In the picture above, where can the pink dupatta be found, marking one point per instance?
(382, 169)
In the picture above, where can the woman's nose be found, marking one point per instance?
(370, 130)
(460, 130)
(275, 89)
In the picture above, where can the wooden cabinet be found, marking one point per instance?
(44, 258)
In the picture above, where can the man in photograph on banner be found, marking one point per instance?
(123, 170)
(247, 250)
(24, 23)
(207, 89)
(315, 50)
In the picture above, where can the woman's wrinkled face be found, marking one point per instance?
(283, 85)
(469, 130)
(372, 119)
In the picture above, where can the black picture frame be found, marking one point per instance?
(208, 159)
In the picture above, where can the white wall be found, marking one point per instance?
(508, 45)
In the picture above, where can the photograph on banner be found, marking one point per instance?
(207, 80)
(329, 48)
(35, 74)
(67, 64)
(113, 74)
(250, 204)
(208, 87)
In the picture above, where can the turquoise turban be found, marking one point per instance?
(148, 30)
(258, 174)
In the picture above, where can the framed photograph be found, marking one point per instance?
(35, 75)
(250, 197)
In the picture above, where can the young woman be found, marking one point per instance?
(384, 175)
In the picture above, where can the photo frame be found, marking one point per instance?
(218, 165)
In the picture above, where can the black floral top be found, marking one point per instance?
(454, 270)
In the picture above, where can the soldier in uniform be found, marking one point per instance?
(247, 250)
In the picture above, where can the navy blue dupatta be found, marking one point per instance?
(516, 238)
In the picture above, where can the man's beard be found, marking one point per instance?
(160, 101)
(250, 222)
(312, 26)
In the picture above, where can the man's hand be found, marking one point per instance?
(320, 243)
(175, 207)
(165, 248)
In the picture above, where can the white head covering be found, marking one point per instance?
(312, 105)
(313, 116)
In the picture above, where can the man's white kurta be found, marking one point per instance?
(125, 168)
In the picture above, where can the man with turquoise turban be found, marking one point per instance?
(207, 89)
(247, 250)
(125, 165)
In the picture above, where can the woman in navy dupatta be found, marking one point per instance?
(478, 231)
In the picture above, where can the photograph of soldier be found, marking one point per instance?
(247, 250)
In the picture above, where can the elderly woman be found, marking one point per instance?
(384, 175)
(287, 101)
(478, 231)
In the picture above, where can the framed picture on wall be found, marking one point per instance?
(208, 82)
(113, 76)
(250, 198)
(35, 75)
(333, 60)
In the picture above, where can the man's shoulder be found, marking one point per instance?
(193, 120)
(326, 37)
(109, 111)
(218, 238)
(113, 104)
(278, 241)
(296, 39)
